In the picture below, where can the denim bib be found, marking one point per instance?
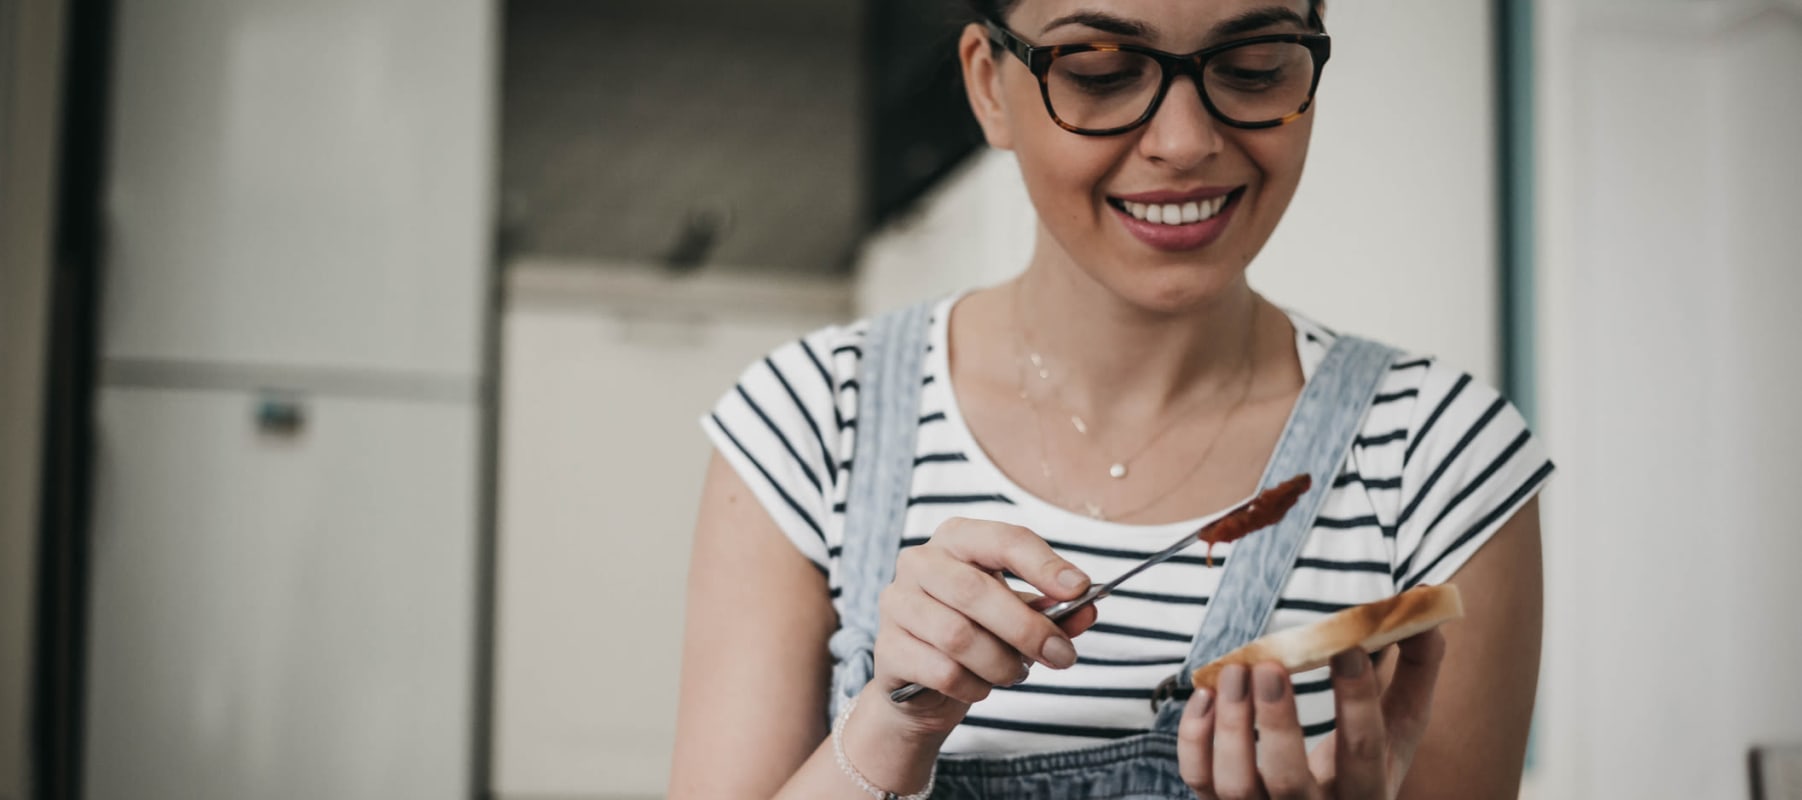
(1316, 440)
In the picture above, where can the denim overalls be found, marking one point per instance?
(1316, 440)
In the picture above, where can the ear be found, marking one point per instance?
(982, 85)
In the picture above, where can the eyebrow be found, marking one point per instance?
(1247, 22)
(1101, 21)
(1258, 19)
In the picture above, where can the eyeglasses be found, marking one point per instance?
(1106, 88)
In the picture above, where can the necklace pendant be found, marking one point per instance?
(1093, 510)
(1117, 471)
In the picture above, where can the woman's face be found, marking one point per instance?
(1087, 188)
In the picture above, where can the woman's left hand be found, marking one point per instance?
(1365, 757)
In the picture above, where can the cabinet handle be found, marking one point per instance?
(280, 415)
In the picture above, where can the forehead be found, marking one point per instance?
(1171, 24)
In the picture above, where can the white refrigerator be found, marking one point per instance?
(292, 422)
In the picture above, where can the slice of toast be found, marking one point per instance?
(1371, 627)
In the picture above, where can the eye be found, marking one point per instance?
(1104, 72)
(1248, 80)
(1107, 81)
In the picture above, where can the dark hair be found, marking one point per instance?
(997, 9)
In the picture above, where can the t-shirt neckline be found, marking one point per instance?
(938, 364)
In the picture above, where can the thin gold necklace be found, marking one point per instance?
(1118, 468)
(1029, 358)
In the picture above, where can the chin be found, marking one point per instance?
(1177, 288)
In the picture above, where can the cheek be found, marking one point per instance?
(1279, 156)
(1062, 171)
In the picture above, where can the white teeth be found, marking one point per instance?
(1175, 214)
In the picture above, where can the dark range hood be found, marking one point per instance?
(732, 134)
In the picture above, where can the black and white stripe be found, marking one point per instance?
(1441, 462)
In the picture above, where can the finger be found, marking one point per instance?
(955, 635)
(1408, 701)
(911, 660)
(1282, 753)
(1195, 744)
(996, 547)
(1320, 762)
(1384, 663)
(1235, 749)
(1360, 759)
(1073, 625)
(989, 603)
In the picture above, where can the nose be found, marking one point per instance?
(1181, 134)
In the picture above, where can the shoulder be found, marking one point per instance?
(829, 355)
(784, 427)
(836, 352)
(800, 385)
(1444, 411)
(1423, 405)
(1444, 456)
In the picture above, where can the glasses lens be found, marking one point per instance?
(1102, 89)
(1260, 83)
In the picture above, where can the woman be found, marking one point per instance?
(1125, 388)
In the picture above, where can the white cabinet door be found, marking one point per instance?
(301, 184)
(601, 465)
(281, 617)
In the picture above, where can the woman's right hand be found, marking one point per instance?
(950, 624)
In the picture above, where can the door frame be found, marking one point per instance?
(31, 64)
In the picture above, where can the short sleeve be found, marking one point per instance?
(1470, 464)
(779, 427)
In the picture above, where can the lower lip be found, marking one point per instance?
(1178, 238)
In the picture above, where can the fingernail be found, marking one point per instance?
(1071, 579)
(1059, 652)
(1025, 671)
(1232, 683)
(1203, 701)
(1351, 663)
(1270, 684)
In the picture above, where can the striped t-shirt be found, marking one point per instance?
(1442, 461)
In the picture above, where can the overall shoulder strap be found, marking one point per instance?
(882, 460)
(1318, 437)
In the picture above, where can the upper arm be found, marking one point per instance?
(1476, 740)
(755, 667)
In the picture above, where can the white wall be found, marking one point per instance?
(1671, 182)
(607, 372)
(1392, 234)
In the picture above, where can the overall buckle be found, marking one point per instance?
(1170, 688)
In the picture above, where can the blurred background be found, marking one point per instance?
(351, 353)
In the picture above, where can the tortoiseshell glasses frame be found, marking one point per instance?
(1038, 59)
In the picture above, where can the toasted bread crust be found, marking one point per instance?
(1371, 627)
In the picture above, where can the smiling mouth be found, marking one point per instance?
(1177, 214)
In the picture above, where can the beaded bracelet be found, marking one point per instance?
(844, 764)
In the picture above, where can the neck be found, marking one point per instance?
(1115, 359)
